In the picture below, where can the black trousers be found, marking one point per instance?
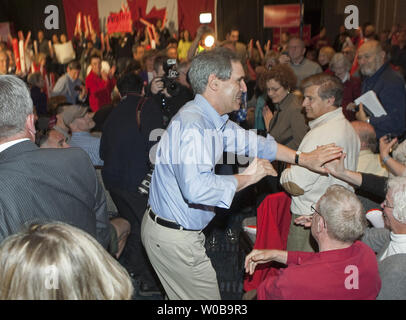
(131, 206)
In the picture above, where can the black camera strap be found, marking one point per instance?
(139, 109)
(140, 105)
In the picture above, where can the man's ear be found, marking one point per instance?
(213, 83)
(331, 101)
(30, 126)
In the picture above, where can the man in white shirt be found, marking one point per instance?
(323, 95)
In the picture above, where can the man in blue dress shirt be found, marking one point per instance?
(70, 86)
(185, 190)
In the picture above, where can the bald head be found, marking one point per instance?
(366, 134)
(371, 57)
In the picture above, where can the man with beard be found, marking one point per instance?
(389, 87)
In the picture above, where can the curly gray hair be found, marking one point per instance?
(397, 186)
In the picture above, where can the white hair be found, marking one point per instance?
(343, 213)
(15, 105)
(340, 59)
(397, 186)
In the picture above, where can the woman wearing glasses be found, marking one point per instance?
(287, 124)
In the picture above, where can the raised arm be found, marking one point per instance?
(314, 160)
(385, 147)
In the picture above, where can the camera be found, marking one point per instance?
(77, 88)
(400, 138)
(143, 188)
(171, 75)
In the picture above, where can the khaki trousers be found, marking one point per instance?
(180, 261)
(300, 238)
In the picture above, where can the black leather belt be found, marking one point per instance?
(166, 223)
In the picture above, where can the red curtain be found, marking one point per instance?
(189, 11)
(87, 7)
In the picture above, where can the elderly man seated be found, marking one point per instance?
(343, 269)
(368, 161)
(390, 242)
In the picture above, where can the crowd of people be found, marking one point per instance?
(111, 162)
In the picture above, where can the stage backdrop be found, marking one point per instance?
(180, 14)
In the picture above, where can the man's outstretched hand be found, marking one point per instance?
(316, 159)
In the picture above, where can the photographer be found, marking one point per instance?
(125, 147)
(70, 86)
(166, 90)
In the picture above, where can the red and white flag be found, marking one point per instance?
(176, 14)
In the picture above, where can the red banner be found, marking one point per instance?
(293, 32)
(119, 22)
(282, 16)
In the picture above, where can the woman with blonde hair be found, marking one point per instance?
(57, 261)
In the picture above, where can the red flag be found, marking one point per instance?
(16, 52)
(355, 64)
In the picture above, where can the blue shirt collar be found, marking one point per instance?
(219, 122)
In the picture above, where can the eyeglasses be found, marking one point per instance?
(314, 211)
(274, 89)
(313, 208)
(385, 205)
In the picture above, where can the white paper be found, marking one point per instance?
(64, 52)
(376, 218)
(371, 102)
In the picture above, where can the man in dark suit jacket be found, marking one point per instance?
(124, 147)
(43, 185)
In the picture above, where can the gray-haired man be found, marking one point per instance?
(185, 190)
(43, 185)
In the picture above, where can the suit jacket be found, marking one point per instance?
(124, 147)
(288, 126)
(392, 269)
(45, 185)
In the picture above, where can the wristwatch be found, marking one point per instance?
(298, 153)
